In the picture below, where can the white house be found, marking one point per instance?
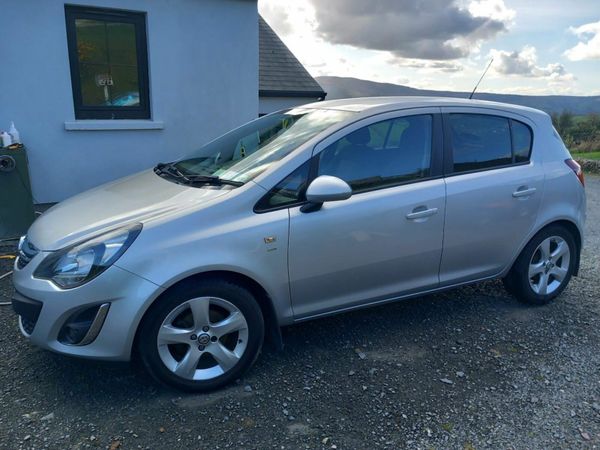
(104, 88)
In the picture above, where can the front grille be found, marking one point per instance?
(27, 251)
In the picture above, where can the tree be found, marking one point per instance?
(565, 122)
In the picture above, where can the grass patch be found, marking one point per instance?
(447, 427)
(587, 155)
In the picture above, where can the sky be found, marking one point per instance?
(539, 47)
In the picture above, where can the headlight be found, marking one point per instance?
(78, 264)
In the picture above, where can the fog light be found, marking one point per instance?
(84, 326)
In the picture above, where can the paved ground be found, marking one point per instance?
(467, 369)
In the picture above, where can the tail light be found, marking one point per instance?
(576, 168)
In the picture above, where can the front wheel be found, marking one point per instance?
(544, 267)
(201, 335)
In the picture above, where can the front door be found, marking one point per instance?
(384, 241)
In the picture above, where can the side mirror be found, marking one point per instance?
(325, 189)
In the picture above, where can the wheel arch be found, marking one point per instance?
(273, 335)
(576, 233)
(570, 225)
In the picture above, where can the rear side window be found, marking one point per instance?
(482, 141)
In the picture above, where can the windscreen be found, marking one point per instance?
(246, 152)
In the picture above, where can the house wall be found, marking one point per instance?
(267, 105)
(203, 69)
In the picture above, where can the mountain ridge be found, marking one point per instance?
(347, 87)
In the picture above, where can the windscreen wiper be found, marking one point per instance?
(170, 169)
(212, 179)
(173, 171)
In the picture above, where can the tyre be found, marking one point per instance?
(544, 267)
(201, 335)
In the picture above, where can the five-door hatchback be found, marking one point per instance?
(302, 213)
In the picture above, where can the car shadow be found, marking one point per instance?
(414, 326)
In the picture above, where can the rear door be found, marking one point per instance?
(494, 188)
(387, 238)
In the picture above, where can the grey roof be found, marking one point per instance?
(376, 105)
(280, 73)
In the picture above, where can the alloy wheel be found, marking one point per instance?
(549, 265)
(202, 338)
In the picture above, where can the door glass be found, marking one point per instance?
(382, 154)
(479, 141)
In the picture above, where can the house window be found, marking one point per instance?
(109, 63)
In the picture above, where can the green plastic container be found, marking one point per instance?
(16, 200)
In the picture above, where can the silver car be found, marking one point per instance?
(300, 214)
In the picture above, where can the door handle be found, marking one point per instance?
(421, 212)
(524, 191)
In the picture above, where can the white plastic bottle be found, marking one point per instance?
(5, 138)
(14, 134)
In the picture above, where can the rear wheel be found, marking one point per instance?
(544, 267)
(202, 335)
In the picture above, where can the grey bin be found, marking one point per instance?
(16, 201)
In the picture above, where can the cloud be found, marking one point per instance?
(426, 29)
(524, 63)
(277, 17)
(589, 45)
(494, 9)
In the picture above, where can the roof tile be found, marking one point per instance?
(279, 70)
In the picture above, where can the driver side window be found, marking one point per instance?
(382, 154)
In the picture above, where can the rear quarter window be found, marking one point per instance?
(522, 139)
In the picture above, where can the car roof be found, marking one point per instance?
(376, 105)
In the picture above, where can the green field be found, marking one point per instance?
(586, 155)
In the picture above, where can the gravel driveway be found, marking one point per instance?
(467, 369)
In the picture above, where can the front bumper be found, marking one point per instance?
(44, 309)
